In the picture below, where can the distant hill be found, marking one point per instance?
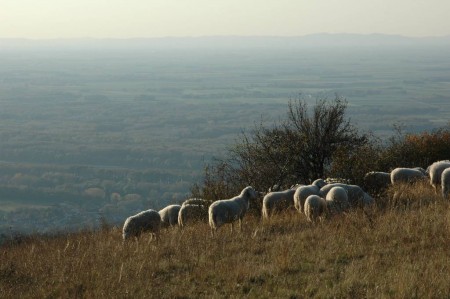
(229, 42)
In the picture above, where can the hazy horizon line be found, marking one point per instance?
(309, 41)
(232, 36)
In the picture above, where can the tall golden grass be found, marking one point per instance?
(395, 250)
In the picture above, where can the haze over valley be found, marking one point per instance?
(96, 130)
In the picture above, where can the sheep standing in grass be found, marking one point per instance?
(229, 210)
(169, 215)
(337, 180)
(319, 183)
(407, 175)
(315, 207)
(275, 188)
(278, 201)
(195, 201)
(376, 182)
(145, 221)
(368, 200)
(337, 200)
(435, 171)
(193, 210)
(445, 183)
(356, 195)
(302, 193)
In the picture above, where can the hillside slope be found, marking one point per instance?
(399, 252)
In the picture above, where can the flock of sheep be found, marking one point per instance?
(315, 201)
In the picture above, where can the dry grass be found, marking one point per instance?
(391, 252)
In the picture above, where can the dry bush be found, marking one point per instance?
(397, 253)
(415, 149)
(411, 196)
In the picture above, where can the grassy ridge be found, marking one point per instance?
(400, 252)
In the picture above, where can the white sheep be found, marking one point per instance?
(377, 182)
(274, 188)
(319, 183)
(302, 193)
(145, 221)
(315, 207)
(193, 210)
(278, 201)
(169, 215)
(337, 200)
(435, 172)
(229, 210)
(368, 200)
(445, 183)
(407, 175)
(195, 201)
(337, 180)
(356, 195)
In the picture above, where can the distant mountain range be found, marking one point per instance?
(227, 42)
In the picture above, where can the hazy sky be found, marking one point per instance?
(160, 18)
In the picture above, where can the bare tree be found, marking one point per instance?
(317, 134)
(296, 150)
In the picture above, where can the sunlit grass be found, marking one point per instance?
(398, 251)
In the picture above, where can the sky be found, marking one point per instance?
(48, 19)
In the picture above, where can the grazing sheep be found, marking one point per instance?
(277, 201)
(169, 215)
(337, 200)
(195, 201)
(193, 210)
(229, 210)
(435, 171)
(337, 180)
(302, 193)
(296, 186)
(356, 195)
(424, 171)
(407, 175)
(368, 200)
(145, 221)
(319, 183)
(315, 207)
(376, 182)
(275, 188)
(445, 183)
